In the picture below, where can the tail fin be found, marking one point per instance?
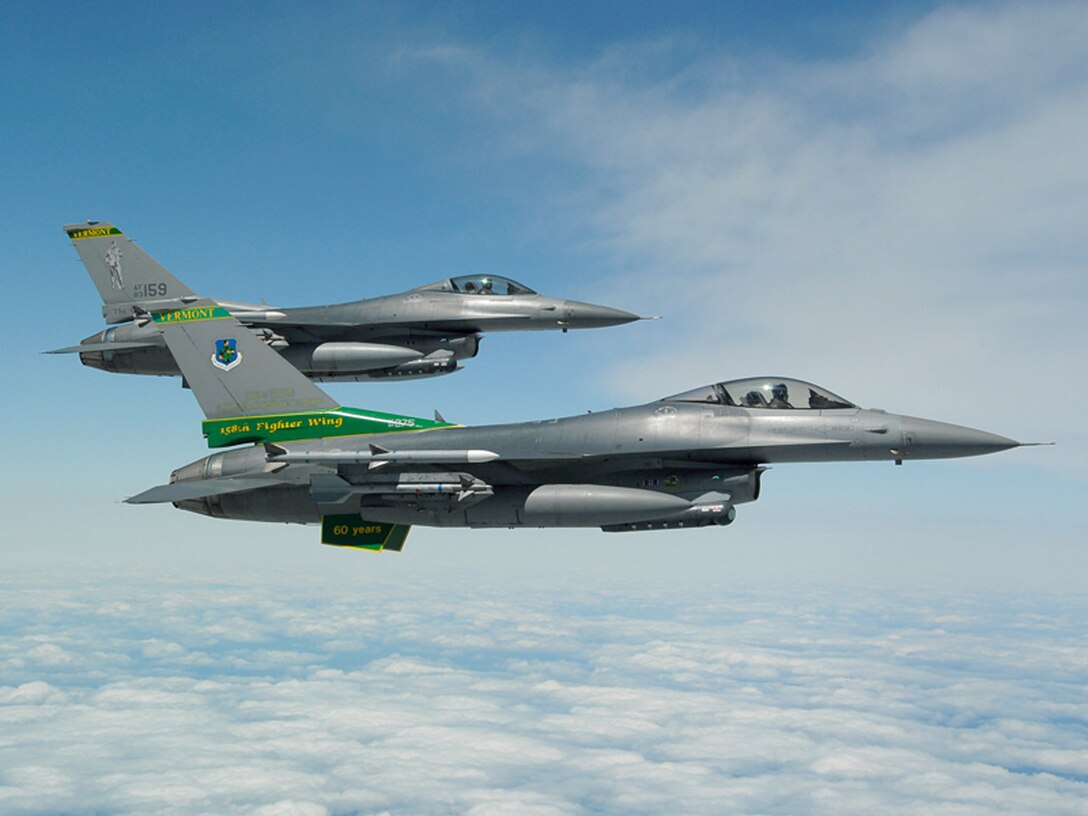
(249, 393)
(125, 276)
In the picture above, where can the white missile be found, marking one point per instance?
(377, 456)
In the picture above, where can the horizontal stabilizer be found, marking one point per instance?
(198, 489)
(88, 347)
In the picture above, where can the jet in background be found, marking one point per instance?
(419, 333)
(684, 461)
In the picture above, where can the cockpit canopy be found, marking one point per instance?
(478, 285)
(765, 392)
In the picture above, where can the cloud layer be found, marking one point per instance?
(320, 696)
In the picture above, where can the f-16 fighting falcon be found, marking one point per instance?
(683, 461)
(419, 333)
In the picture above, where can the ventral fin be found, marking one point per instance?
(353, 531)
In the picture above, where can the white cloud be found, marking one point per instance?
(288, 807)
(49, 654)
(35, 692)
(651, 694)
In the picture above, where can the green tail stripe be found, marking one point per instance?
(92, 232)
(310, 425)
(190, 314)
(353, 531)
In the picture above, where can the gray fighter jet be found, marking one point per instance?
(683, 461)
(419, 333)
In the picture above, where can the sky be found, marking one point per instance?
(887, 199)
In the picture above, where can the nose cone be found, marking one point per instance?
(926, 439)
(577, 315)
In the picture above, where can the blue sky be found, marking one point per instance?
(887, 199)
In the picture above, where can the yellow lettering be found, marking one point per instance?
(367, 529)
(96, 232)
(325, 421)
(278, 425)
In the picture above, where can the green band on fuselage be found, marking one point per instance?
(191, 315)
(93, 232)
(310, 425)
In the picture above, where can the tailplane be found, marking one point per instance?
(127, 278)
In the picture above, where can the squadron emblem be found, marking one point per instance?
(226, 354)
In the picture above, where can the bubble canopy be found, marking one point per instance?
(489, 285)
(478, 285)
(765, 393)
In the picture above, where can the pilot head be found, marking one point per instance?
(780, 393)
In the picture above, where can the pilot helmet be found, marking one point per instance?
(780, 392)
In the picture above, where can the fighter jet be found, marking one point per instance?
(423, 332)
(687, 460)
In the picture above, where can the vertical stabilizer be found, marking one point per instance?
(249, 393)
(230, 370)
(125, 275)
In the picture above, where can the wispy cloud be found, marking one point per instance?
(904, 223)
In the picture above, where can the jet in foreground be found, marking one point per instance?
(419, 333)
(684, 461)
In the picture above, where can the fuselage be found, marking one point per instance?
(420, 333)
(423, 332)
(704, 454)
(436, 309)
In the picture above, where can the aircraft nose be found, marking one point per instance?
(578, 315)
(927, 439)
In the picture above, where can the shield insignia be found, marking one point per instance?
(226, 354)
